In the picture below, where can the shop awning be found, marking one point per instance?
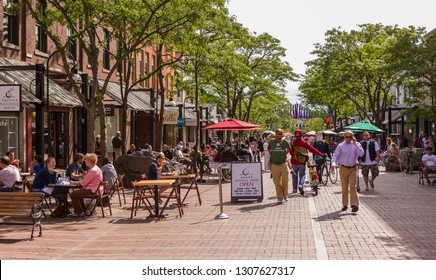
(399, 111)
(58, 95)
(26, 96)
(136, 100)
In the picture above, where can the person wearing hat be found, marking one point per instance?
(429, 163)
(299, 158)
(278, 148)
(345, 156)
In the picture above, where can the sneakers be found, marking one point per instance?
(344, 208)
(280, 201)
(372, 184)
(286, 198)
(354, 208)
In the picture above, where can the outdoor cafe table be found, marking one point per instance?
(182, 179)
(66, 188)
(139, 194)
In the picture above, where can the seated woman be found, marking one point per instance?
(46, 176)
(36, 165)
(109, 173)
(75, 170)
(387, 152)
(89, 185)
(395, 152)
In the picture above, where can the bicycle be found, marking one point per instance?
(327, 173)
(409, 161)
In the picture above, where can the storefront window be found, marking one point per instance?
(8, 134)
(111, 130)
(170, 135)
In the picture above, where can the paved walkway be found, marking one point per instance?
(396, 220)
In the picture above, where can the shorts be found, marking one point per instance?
(366, 168)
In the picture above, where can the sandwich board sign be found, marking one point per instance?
(246, 181)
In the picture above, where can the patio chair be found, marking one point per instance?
(118, 186)
(100, 198)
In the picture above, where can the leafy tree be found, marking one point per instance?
(315, 124)
(357, 69)
(419, 62)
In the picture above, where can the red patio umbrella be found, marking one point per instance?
(233, 124)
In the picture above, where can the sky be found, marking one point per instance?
(301, 24)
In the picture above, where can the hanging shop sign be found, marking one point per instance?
(170, 117)
(10, 98)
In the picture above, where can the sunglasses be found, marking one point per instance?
(348, 137)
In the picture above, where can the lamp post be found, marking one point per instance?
(47, 100)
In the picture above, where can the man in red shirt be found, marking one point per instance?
(299, 158)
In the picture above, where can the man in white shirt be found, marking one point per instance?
(8, 175)
(369, 160)
(429, 163)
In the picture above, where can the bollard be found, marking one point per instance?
(221, 215)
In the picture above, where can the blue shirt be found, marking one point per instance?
(43, 178)
(347, 154)
(152, 171)
(75, 169)
(38, 167)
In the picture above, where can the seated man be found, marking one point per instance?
(244, 152)
(155, 168)
(109, 173)
(429, 163)
(167, 152)
(8, 175)
(227, 155)
(75, 170)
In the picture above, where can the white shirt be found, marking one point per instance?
(367, 160)
(9, 175)
(430, 161)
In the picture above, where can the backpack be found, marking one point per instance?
(321, 146)
(300, 154)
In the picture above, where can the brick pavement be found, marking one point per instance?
(396, 220)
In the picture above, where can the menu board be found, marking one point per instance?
(247, 181)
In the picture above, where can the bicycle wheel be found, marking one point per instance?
(410, 166)
(333, 174)
(324, 175)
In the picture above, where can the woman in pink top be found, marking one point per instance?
(89, 184)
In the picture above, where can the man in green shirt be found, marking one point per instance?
(278, 149)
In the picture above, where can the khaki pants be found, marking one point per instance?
(280, 175)
(348, 183)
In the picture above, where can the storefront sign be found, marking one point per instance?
(109, 110)
(10, 98)
(180, 121)
(247, 181)
(170, 117)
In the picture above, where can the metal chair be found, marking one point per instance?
(118, 186)
(101, 198)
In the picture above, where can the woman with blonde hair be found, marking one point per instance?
(395, 152)
(387, 152)
(89, 185)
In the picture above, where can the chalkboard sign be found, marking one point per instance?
(247, 181)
